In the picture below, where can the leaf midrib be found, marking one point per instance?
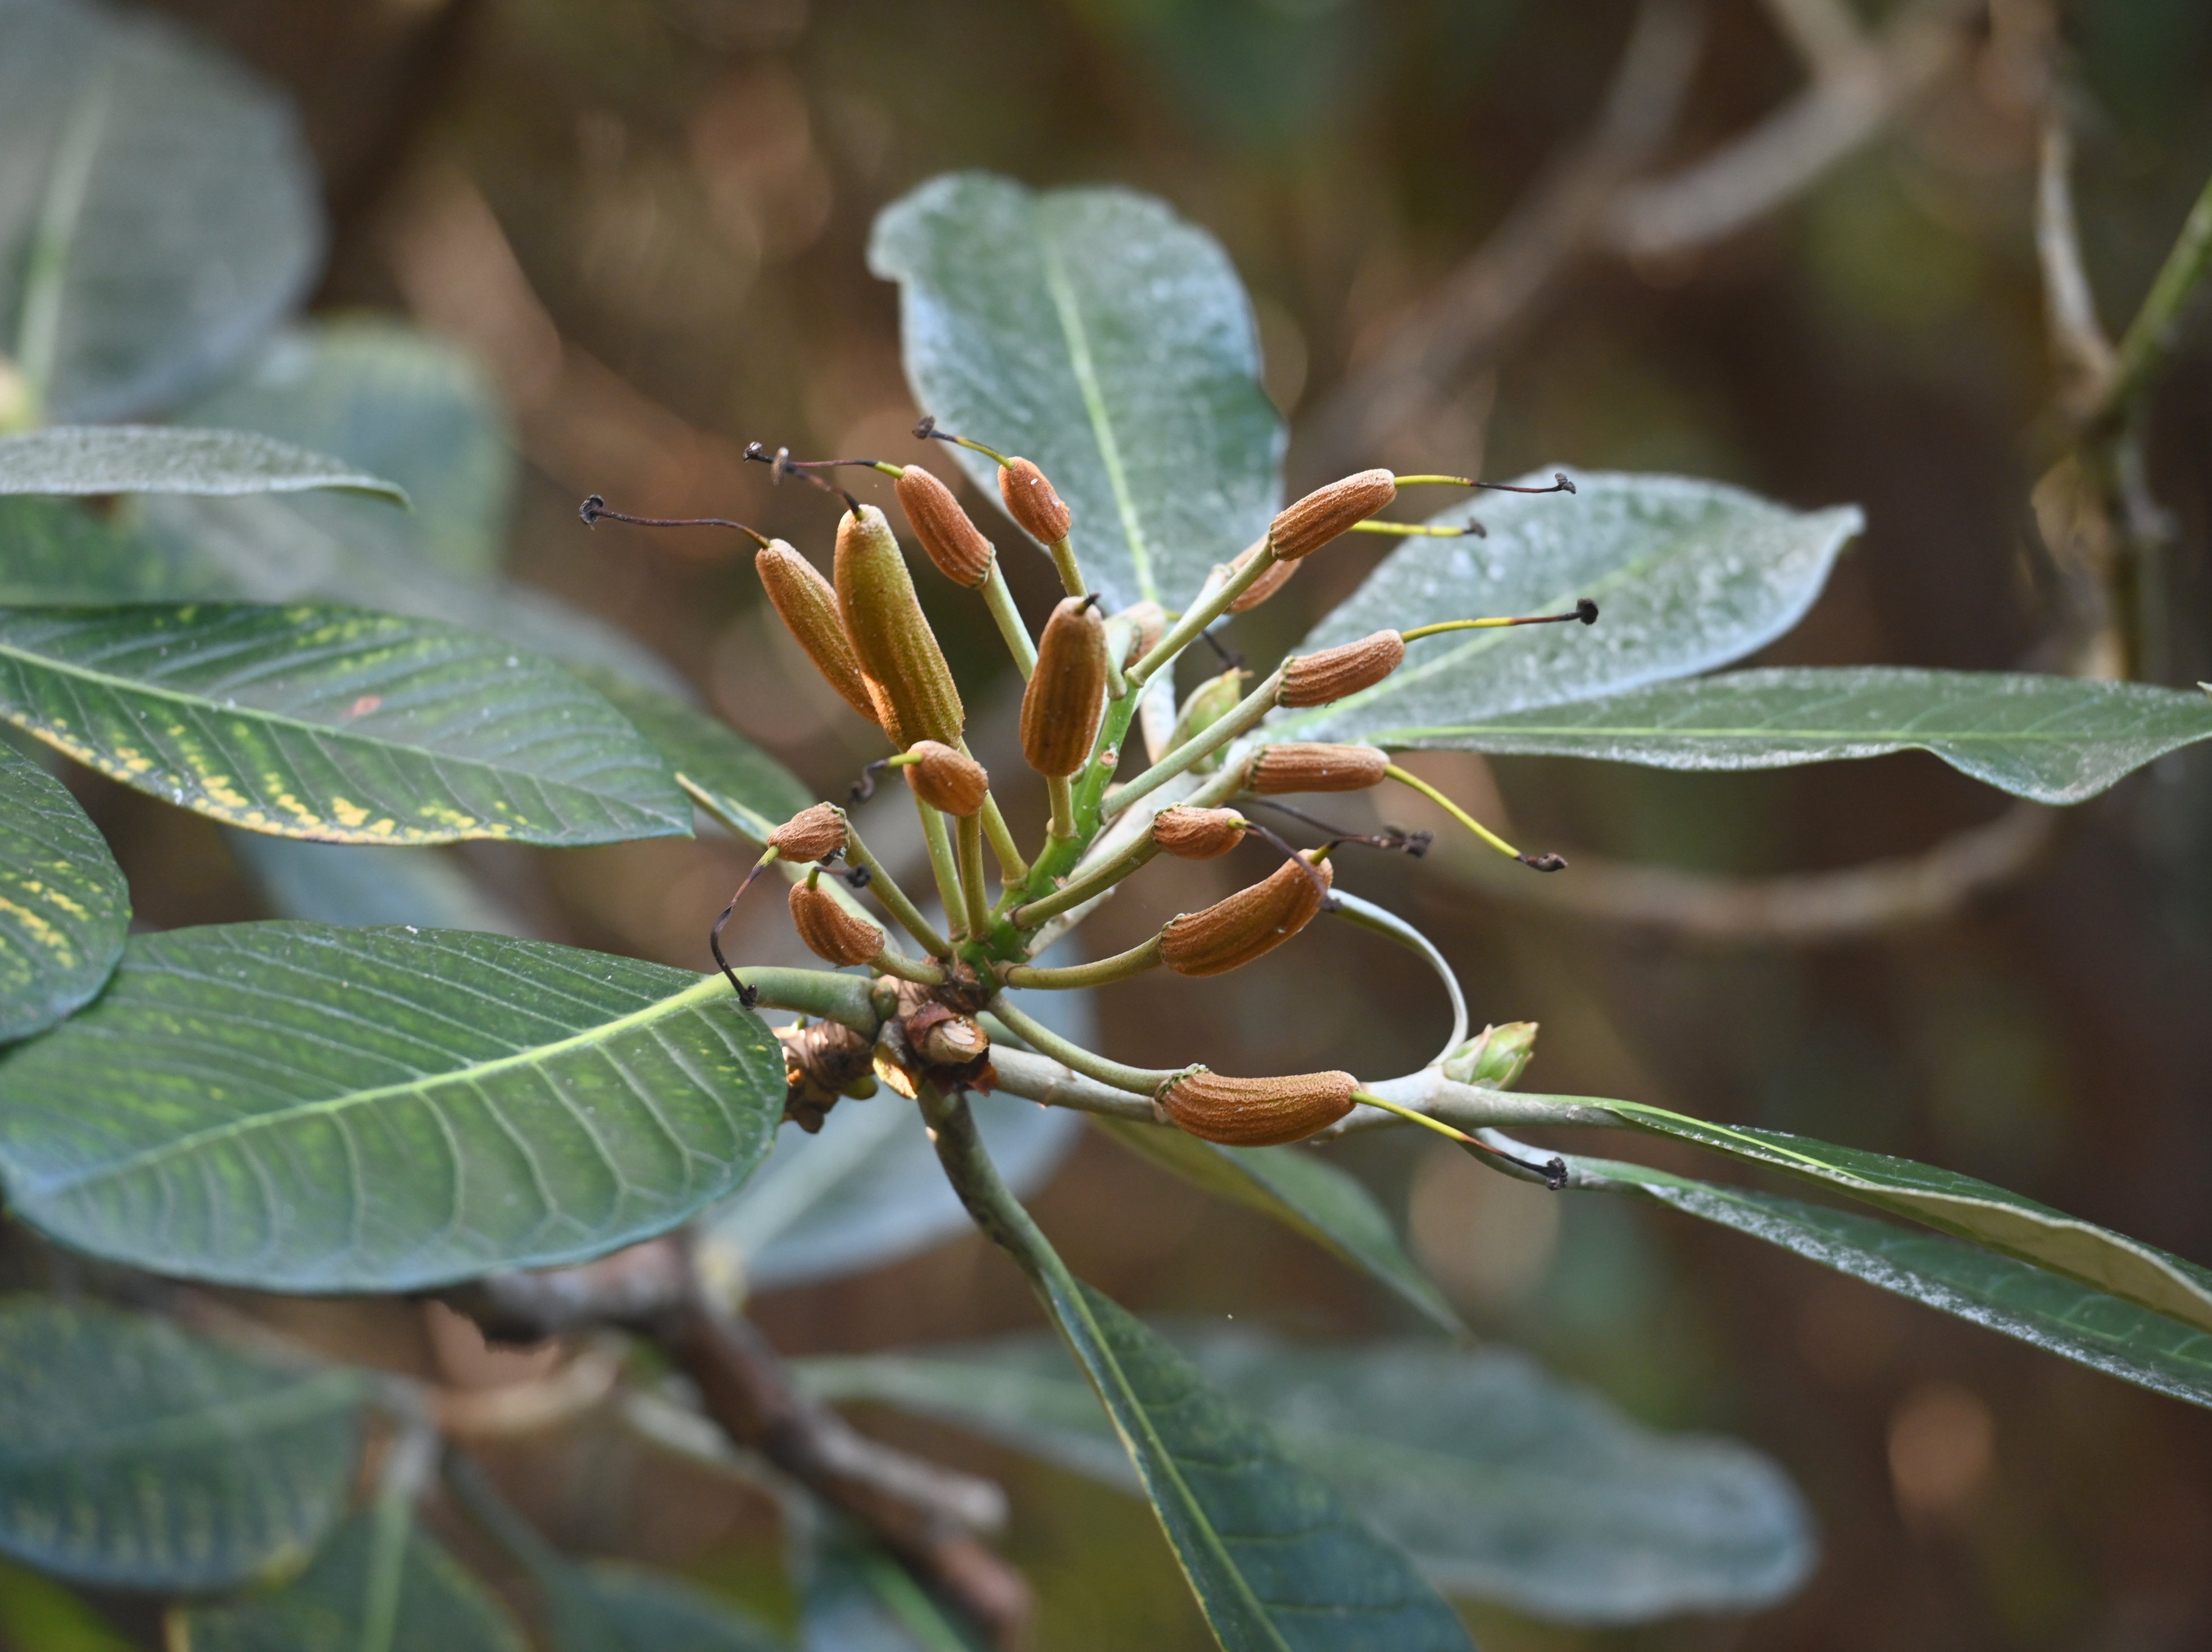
(1714, 731)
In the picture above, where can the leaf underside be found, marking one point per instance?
(64, 908)
(300, 1107)
(145, 459)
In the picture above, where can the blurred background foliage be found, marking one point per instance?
(645, 219)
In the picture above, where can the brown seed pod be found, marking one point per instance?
(831, 933)
(1266, 585)
(1317, 679)
(1254, 1112)
(1303, 527)
(1295, 766)
(807, 605)
(1031, 502)
(1066, 699)
(1191, 833)
(1148, 625)
(1250, 923)
(945, 779)
(891, 640)
(954, 543)
(814, 833)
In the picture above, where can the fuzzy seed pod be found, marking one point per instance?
(955, 545)
(807, 605)
(945, 779)
(1191, 833)
(1305, 526)
(1266, 585)
(891, 640)
(1299, 767)
(1250, 923)
(1209, 703)
(1066, 699)
(1031, 502)
(1317, 679)
(831, 933)
(1254, 1112)
(814, 833)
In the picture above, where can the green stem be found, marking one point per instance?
(1008, 618)
(894, 898)
(1011, 867)
(969, 837)
(942, 866)
(1207, 610)
(2148, 345)
(1062, 794)
(1239, 719)
(1071, 572)
(1097, 881)
(849, 1001)
(1140, 1081)
(1098, 973)
(887, 962)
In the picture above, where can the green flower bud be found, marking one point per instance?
(1495, 1058)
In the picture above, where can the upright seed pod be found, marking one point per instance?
(1250, 923)
(813, 834)
(891, 638)
(1304, 526)
(1318, 680)
(1066, 700)
(807, 605)
(1254, 1112)
(1278, 575)
(947, 779)
(1298, 766)
(1191, 833)
(1031, 502)
(831, 933)
(954, 543)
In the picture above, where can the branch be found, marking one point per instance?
(2083, 353)
(2148, 347)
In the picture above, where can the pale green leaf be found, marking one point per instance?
(1095, 332)
(334, 724)
(300, 1107)
(158, 211)
(60, 552)
(133, 1455)
(708, 757)
(650, 1612)
(1305, 1193)
(38, 1614)
(64, 908)
(2055, 740)
(148, 459)
(1687, 576)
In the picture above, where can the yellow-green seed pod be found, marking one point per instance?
(1303, 527)
(892, 640)
(1250, 924)
(831, 933)
(947, 779)
(807, 605)
(1320, 679)
(1066, 700)
(1254, 1112)
(1300, 765)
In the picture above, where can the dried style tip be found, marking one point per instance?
(1278, 770)
(897, 651)
(1066, 699)
(1031, 502)
(807, 605)
(831, 933)
(1254, 1112)
(954, 543)
(1191, 833)
(1277, 576)
(947, 779)
(1305, 527)
(1250, 923)
(1318, 680)
(814, 833)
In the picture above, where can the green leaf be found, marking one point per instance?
(2055, 740)
(1097, 333)
(299, 1107)
(1958, 1204)
(1306, 1194)
(1502, 1482)
(1687, 576)
(859, 1599)
(58, 551)
(148, 459)
(381, 1586)
(708, 757)
(333, 724)
(159, 214)
(650, 1612)
(134, 1456)
(39, 1613)
(64, 908)
(396, 402)
(2055, 1314)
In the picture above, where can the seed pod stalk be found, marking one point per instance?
(1097, 973)
(894, 898)
(969, 842)
(1210, 607)
(1246, 716)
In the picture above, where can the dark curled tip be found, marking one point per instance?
(925, 428)
(1565, 486)
(1555, 1167)
(857, 877)
(1586, 611)
(592, 510)
(1543, 862)
(865, 787)
(1228, 656)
